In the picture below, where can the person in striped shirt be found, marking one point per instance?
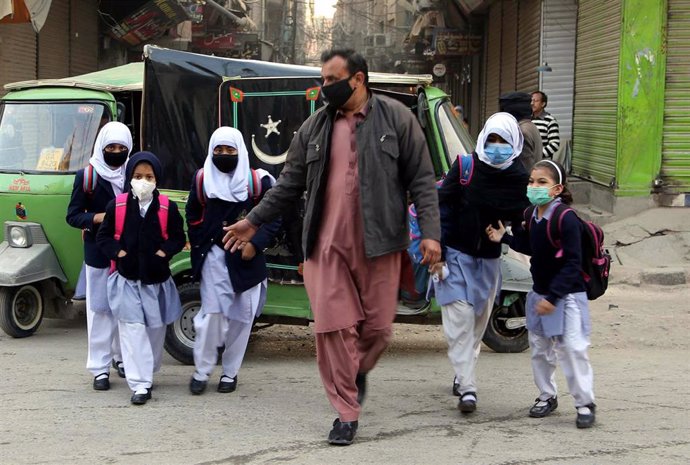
(546, 123)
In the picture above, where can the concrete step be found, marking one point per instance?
(591, 213)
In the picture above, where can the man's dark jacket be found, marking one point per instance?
(393, 159)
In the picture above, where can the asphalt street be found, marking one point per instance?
(50, 415)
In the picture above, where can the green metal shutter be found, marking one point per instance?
(529, 31)
(675, 161)
(597, 58)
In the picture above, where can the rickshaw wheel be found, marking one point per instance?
(498, 337)
(21, 310)
(179, 335)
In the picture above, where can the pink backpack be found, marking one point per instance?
(121, 211)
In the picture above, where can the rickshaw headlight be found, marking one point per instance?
(19, 237)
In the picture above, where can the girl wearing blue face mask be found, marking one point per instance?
(472, 275)
(557, 307)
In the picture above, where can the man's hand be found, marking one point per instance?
(544, 307)
(431, 251)
(495, 235)
(238, 235)
(98, 218)
(248, 251)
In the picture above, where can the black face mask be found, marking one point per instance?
(338, 93)
(225, 163)
(115, 159)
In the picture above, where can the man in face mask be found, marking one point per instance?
(356, 158)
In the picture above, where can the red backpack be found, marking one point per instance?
(596, 260)
(253, 187)
(121, 211)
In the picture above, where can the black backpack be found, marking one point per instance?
(596, 261)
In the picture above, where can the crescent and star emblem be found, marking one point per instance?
(271, 127)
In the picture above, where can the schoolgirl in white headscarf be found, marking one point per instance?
(471, 276)
(233, 285)
(93, 188)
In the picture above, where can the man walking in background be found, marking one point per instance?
(546, 123)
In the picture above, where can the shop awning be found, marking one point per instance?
(25, 11)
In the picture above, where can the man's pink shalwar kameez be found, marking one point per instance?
(353, 298)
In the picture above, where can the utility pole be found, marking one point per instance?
(294, 31)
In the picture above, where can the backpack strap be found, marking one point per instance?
(254, 185)
(90, 179)
(466, 167)
(527, 216)
(554, 226)
(199, 183)
(120, 212)
(163, 214)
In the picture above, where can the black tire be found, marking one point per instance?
(501, 339)
(21, 310)
(179, 335)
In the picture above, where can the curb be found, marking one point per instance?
(661, 276)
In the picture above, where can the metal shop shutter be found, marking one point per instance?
(529, 24)
(493, 62)
(17, 53)
(53, 42)
(675, 161)
(84, 37)
(596, 90)
(509, 34)
(558, 50)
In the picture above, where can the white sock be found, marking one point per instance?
(102, 376)
(584, 411)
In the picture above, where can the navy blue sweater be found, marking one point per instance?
(466, 210)
(205, 229)
(80, 212)
(553, 276)
(141, 239)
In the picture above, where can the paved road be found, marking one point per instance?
(49, 414)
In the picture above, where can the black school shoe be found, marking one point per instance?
(456, 387)
(586, 420)
(361, 383)
(120, 367)
(343, 432)
(140, 399)
(542, 408)
(227, 386)
(468, 402)
(101, 382)
(197, 387)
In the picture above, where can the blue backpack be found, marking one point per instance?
(466, 167)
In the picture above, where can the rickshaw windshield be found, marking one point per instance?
(456, 138)
(48, 137)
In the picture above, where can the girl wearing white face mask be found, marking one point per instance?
(472, 276)
(557, 307)
(141, 232)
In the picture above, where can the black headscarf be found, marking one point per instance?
(140, 157)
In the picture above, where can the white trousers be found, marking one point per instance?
(214, 330)
(464, 330)
(570, 350)
(101, 326)
(142, 351)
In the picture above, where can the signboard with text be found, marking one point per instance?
(149, 21)
(451, 42)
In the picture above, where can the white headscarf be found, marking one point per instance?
(506, 126)
(111, 133)
(231, 187)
